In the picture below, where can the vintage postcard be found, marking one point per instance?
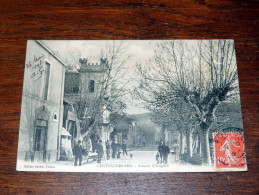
(131, 106)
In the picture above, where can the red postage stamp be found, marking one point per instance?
(229, 150)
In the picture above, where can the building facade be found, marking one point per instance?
(42, 104)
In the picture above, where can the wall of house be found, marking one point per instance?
(34, 101)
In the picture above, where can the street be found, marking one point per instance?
(141, 155)
(143, 159)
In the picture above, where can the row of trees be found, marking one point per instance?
(183, 84)
(186, 81)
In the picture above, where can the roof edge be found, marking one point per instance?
(51, 52)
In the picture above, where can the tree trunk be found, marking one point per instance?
(189, 144)
(181, 143)
(205, 147)
(200, 144)
(163, 133)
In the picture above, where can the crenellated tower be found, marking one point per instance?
(91, 78)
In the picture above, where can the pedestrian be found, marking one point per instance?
(124, 148)
(84, 151)
(166, 151)
(157, 157)
(88, 145)
(108, 149)
(94, 140)
(118, 152)
(114, 148)
(176, 150)
(160, 150)
(99, 150)
(78, 151)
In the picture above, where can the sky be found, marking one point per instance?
(140, 50)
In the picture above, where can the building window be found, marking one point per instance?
(91, 86)
(47, 71)
(55, 118)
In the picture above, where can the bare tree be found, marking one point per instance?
(111, 87)
(71, 58)
(202, 73)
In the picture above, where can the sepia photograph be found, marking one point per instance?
(131, 106)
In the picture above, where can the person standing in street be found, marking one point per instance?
(114, 148)
(99, 150)
(166, 151)
(108, 149)
(124, 147)
(160, 150)
(157, 158)
(88, 145)
(78, 152)
(94, 140)
(176, 150)
(118, 150)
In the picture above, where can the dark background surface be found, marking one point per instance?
(126, 19)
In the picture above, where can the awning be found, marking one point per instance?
(65, 132)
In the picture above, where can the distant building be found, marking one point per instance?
(124, 128)
(132, 134)
(42, 104)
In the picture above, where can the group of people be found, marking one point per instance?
(115, 149)
(79, 151)
(97, 147)
(164, 151)
(162, 154)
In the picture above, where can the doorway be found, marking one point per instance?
(40, 144)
